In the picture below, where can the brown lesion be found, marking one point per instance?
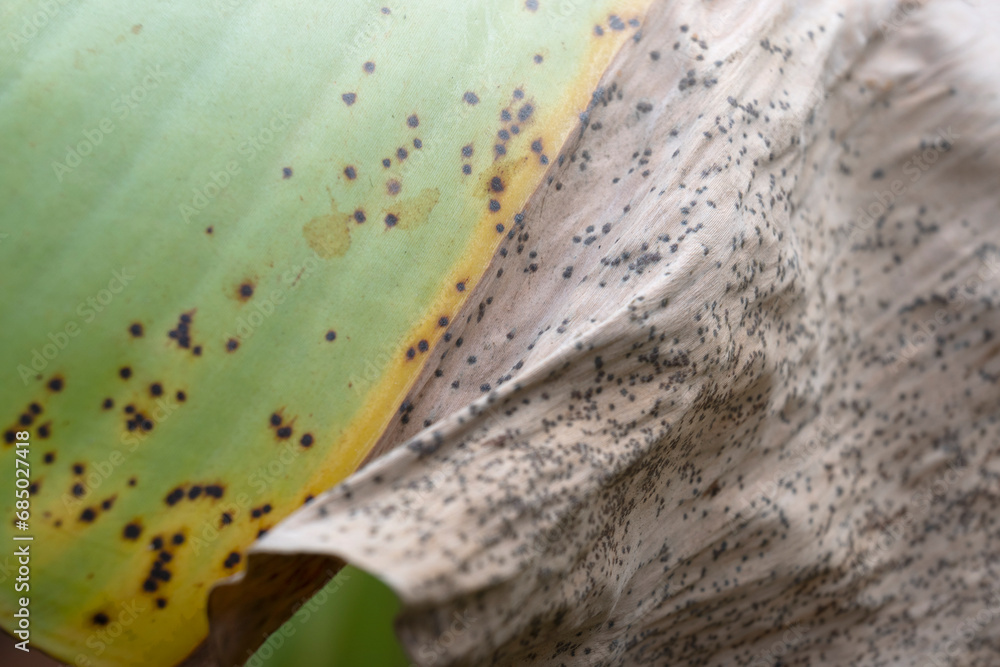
(245, 290)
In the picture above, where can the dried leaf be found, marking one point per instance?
(729, 395)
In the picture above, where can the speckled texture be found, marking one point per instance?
(701, 411)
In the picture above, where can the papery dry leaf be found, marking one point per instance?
(730, 393)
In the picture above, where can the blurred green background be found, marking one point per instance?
(350, 626)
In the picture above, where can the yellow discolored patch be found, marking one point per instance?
(414, 211)
(328, 235)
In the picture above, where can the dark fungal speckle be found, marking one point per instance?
(423, 346)
(442, 321)
(368, 67)
(531, 5)
(178, 538)
(460, 286)
(132, 531)
(401, 154)
(470, 98)
(306, 440)
(135, 329)
(174, 496)
(214, 491)
(525, 112)
(359, 216)
(331, 335)
(275, 419)
(56, 384)
(246, 291)
(538, 59)
(349, 98)
(232, 560)
(350, 172)
(391, 220)
(393, 187)
(496, 184)
(284, 432)
(413, 121)
(232, 344)
(100, 618)
(286, 172)
(156, 389)
(494, 205)
(410, 353)
(417, 143)
(467, 150)
(466, 169)
(88, 515)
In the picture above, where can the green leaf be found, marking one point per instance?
(220, 292)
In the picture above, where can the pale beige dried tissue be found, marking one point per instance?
(729, 394)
